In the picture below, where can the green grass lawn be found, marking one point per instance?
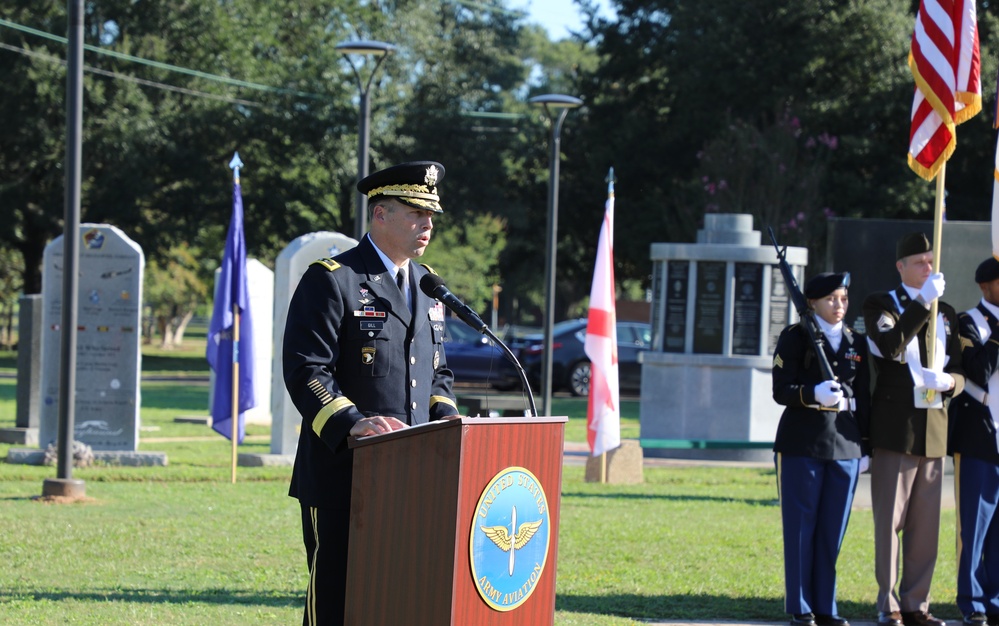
(180, 545)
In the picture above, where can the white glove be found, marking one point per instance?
(865, 464)
(933, 288)
(937, 381)
(828, 393)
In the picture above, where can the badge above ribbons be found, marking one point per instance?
(510, 538)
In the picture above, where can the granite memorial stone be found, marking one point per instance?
(106, 408)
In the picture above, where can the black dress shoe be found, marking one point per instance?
(890, 619)
(802, 619)
(918, 618)
(975, 619)
(830, 620)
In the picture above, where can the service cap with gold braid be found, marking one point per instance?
(413, 183)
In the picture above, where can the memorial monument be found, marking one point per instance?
(718, 307)
(261, 295)
(108, 337)
(288, 270)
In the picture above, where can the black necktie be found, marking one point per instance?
(400, 279)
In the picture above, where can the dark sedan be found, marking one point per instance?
(474, 359)
(571, 366)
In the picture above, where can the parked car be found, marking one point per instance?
(571, 366)
(474, 359)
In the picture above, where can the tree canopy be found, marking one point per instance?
(793, 112)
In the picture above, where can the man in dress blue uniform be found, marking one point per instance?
(974, 417)
(363, 355)
(820, 441)
(909, 430)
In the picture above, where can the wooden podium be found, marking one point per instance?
(433, 538)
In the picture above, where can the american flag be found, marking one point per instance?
(945, 64)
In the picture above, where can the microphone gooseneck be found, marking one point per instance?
(433, 286)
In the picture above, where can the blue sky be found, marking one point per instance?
(557, 16)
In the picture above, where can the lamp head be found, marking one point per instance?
(556, 101)
(365, 47)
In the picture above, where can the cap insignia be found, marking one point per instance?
(431, 176)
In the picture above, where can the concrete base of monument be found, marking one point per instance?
(63, 488)
(708, 407)
(35, 456)
(19, 436)
(624, 465)
(265, 460)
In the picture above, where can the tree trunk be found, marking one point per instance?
(166, 331)
(178, 335)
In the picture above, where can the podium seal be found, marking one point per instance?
(510, 537)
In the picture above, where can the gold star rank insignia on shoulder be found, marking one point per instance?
(328, 263)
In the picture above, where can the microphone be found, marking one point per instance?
(433, 286)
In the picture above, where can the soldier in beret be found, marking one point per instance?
(973, 442)
(363, 355)
(909, 430)
(820, 440)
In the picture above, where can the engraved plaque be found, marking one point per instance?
(746, 316)
(709, 308)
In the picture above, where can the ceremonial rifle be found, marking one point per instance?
(806, 314)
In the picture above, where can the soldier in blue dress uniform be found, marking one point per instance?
(820, 441)
(974, 415)
(363, 355)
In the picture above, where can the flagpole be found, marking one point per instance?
(235, 164)
(603, 410)
(234, 428)
(931, 341)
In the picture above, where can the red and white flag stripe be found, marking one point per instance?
(945, 63)
(603, 413)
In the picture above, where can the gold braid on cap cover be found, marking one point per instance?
(405, 191)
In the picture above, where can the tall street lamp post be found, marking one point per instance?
(379, 50)
(64, 484)
(556, 108)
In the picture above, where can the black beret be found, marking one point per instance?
(413, 183)
(988, 270)
(821, 285)
(913, 243)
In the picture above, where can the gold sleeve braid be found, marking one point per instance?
(327, 412)
(443, 399)
(331, 405)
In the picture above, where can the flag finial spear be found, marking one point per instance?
(235, 164)
(610, 182)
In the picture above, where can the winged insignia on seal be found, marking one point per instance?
(507, 543)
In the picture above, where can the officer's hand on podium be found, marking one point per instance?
(937, 381)
(828, 393)
(377, 425)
